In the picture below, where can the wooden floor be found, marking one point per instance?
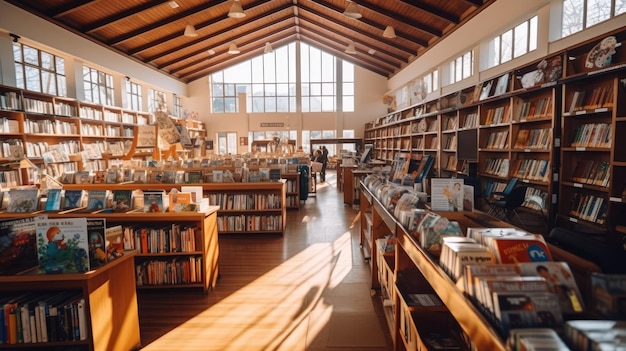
(308, 290)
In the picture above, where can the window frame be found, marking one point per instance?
(22, 67)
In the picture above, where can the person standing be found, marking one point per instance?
(324, 160)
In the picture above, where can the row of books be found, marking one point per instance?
(592, 135)
(10, 178)
(179, 270)
(498, 115)
(64, 109)
(592, 172)
(166, 239)
(450, 142)
(52, 153)
(450, 123)
(498, 167)
(12, 149)
(38, 106)
(34, 318)
(539, 108)
(589, 335)
(599, 97)
(531, 169)
(47, 126)
(497, 140)
(540, 138)
(530, 191)
(249, 223)
(10, 126)
(589, 208)
(10, 100)
(471, 120)
(227, 201)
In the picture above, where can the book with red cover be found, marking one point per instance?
(515, 249)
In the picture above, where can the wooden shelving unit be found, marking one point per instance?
(112, 321)
(292, 184)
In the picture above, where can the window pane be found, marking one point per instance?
(532, 40)
(315, 104)
(218, 105)
(47, 61)
(328, 89)
(31, 55)
(348, 89)
(506, 51)
(32, 79)
(435, 80)
(348, 103)
(61, 85)
(521, 40)
(598, 11)
(458, 69)
(620, 7)
(573, 11)
(270, 90)
(48, 83)
(467, 65)
(316, 89)
(270, 104)
(305, 104)
(348, 71)
(269, 69)
(19, 76)
(315, 65)
(229, 89)
(17, 52)
(328, 68)
(282, 104)
(328, 103)
(282, 89)
(230, 105)
(282, 64)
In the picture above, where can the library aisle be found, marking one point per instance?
(308, 290)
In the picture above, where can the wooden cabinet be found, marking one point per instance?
(110, 301)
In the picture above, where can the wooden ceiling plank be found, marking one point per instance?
(329, 29)
(122, 38)
(103, 22)
(280, 34)
(69, 8)
(374, 25)
(433, 11)
(198, 27)
(226, 30)
(477, 3)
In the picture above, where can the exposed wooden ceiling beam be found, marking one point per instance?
(432, 11)
(71, 6)
(107, 21)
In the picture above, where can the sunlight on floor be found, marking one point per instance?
(283, 323)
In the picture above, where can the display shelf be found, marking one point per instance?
(293, 189)
(112, 321)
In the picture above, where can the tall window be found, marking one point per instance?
(133, 96)
(227, 143)
(39, 71)
(98, 86)
(157, 99)
(269, 82)
(513, 43)
(581, 14)
(178, 107)
(307, 135)
(347, 81)
(462, 67)
(318, 80)
(431, 81)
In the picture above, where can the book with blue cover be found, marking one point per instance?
(53, 201)
(96, 200)
(72, 199)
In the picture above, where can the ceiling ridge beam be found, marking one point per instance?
(196, 40)
(64, 9)
(121, 15)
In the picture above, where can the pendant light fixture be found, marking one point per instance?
(190, 31)
(268, 48)
(233, 49)
(389, 32)
(236, 11)
(352, 10)
(350, 49)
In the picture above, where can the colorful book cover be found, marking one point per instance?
(82, 177)
(510, 249)
(53, 201)
(23, 200)
(96, 199)
(72, 199)
(17, 244)
(96, 228)
(181, 202)
(562, 282)
(111, 177)
(114, 242)
(153, 201)
(122, 200)
(63, 245)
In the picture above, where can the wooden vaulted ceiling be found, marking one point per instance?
(151, 31)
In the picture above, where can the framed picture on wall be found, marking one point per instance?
(209, 144)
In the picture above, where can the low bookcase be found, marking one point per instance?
(110, 304)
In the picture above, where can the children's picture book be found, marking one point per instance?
(23, 200)
(265, 174)
(114, 242)
(63, 245)
(153, 201)
(18, 251)
(67, 178)
(72, 199)
(82, 177)
(96, 199)
(53, 201)
(99, 177)
(127, 175)
(195, 190)
(96, 228)
(562, 281)
(122, 200)
(447, 194)
(181, 202)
